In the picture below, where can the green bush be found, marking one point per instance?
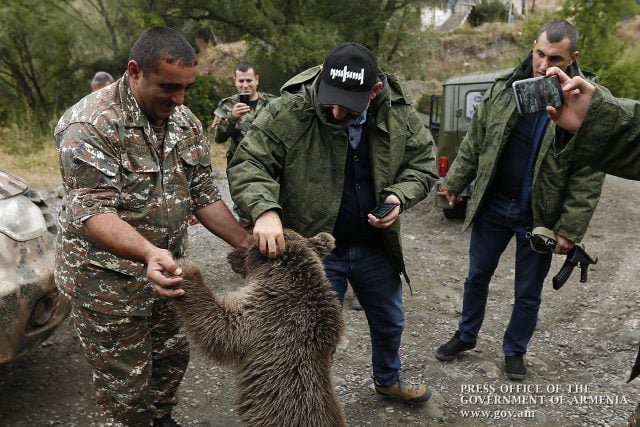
(204, 95)
(488, 11)
(424, 104)
(621, 78)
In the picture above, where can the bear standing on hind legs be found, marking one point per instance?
(279, 331)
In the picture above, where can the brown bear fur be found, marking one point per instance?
(279, 331)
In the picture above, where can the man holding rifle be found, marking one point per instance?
(522, 180)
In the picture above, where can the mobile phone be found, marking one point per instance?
(382, 210)
(534, 94)
(244, 98)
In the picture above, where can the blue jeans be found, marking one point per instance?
(378, 286)
(499, 220)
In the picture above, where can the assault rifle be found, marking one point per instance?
(576, 256)
(544, 240)
(635, 371)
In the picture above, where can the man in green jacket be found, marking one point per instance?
(606, 137)
(341, 139)
(523, 180)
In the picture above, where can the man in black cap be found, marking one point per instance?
(341, 139)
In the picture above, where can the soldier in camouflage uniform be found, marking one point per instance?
(233, 118)
(606, 136)
(523, 180)
(135, 165)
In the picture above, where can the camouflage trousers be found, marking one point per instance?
(138, 362)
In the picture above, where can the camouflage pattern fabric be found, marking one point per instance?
(111, 161)
(125, 369)
(225, 126)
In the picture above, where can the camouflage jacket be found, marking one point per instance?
(564, 195)
(609, 139)
(225, 126)
(292, 160)
(112, 162)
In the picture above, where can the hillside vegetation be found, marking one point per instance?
(426, 61)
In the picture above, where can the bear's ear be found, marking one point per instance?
(322, 244)
(237, 261)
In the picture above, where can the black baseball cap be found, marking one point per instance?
(348, 75)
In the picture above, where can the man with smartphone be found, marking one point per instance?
(523, 179)
(342, 138)
(234, 114)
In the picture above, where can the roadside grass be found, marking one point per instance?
(31, 155)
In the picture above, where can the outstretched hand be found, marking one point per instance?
(159, 262)
(577, 94)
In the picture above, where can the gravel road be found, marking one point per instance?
(579, 359)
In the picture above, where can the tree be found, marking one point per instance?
(597, 22)
(45, 61)
(33, 75)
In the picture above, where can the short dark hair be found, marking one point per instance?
(559, 30)
(244, 67)
(162, 44)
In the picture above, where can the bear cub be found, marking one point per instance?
(279, 331)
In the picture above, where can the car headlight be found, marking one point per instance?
(20, 219)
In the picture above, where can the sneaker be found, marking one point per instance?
(408, 392)
(355, 304)
(515, 367)
(165, 421)
(453, 347)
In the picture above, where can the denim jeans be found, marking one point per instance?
(499, 220)
(378, 287)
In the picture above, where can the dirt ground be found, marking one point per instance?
(578, 360)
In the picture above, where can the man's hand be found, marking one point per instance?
(269, 234)
(577, 94)
(388, 219)
(240, 110)
(158, 262)
(451, 198)
(563, 245)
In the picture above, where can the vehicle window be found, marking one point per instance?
(471, 103)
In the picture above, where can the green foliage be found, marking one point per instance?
(33, 75)
(204, 95)
(532, 25)
(597, 24)
(424, 104)
(488, 11)
(46, 63)
(621, 78)
(601, 51)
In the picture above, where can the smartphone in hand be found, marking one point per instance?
(382, 210)
(244, 98)
(534, 94)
